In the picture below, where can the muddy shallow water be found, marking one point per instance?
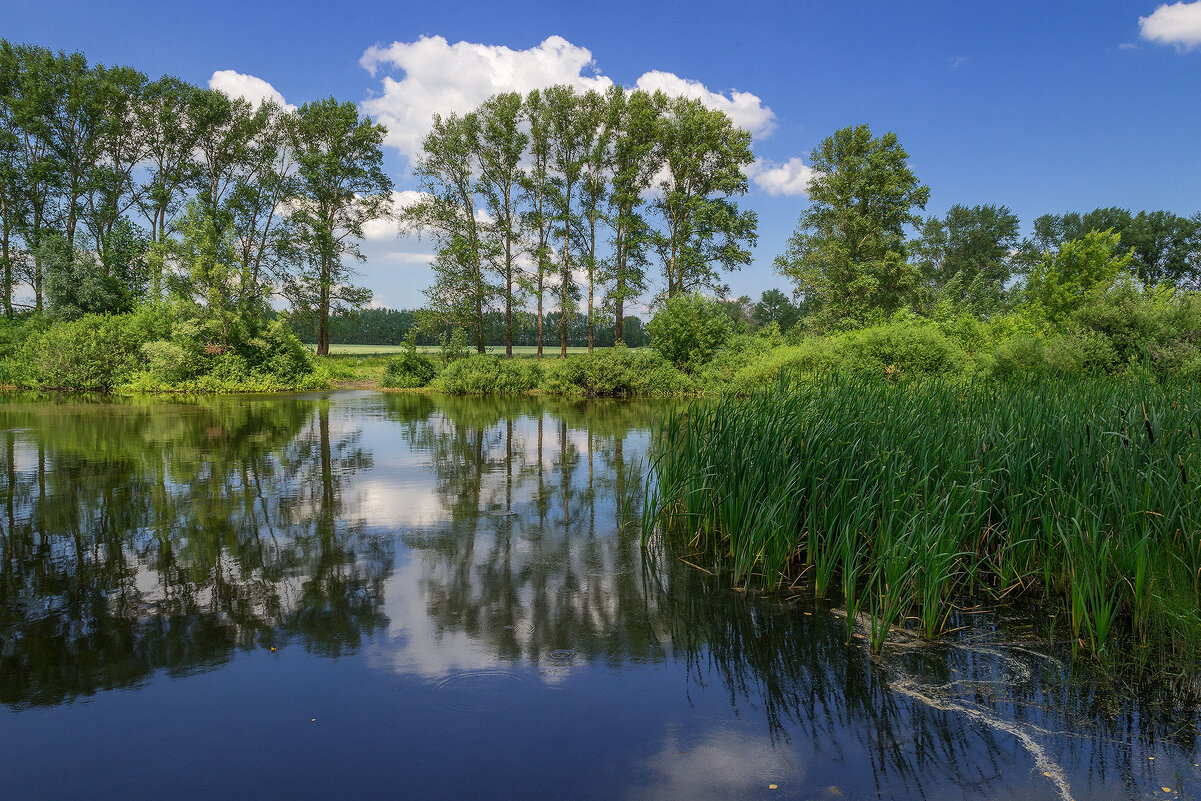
(404, 596)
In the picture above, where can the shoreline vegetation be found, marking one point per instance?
(907, 502)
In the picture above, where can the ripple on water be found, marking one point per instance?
(562, 655)
(480, 691)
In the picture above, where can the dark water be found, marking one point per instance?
(398, 596)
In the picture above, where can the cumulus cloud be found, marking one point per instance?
(1176, 24)
(745, 109)
(384, 228)
(250, 87)
(787, 178)
(441, 78)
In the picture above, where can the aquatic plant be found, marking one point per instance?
(906, 497)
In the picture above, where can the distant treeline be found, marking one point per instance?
(389, 327)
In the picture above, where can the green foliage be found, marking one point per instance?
(454, 346)
(849, 246)
(93, 352)
(489, 375)
(76, 284)
(618, 372)
(1061, 280)
(410, 369)
(905, 346)
(689, 329)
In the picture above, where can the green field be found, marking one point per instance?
(375, 350)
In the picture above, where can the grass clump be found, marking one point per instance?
(906, 496)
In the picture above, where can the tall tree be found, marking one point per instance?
(30, 103)
(597, 138)
(448, 211)
(634, 120)
(568, 149)
(500, 147)
(12, 212)
(266, 179)
(341, 186)
(969, 254)
(703, 231)
(110, 190)
(73, 130)
(849, 246)
(536, 191)
(170, 132)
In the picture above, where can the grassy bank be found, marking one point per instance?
(903, 499)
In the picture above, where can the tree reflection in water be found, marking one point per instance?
(143, 536)
(140, 536)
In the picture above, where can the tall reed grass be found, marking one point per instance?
(907, 498)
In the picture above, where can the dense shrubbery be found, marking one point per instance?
(616, 372)
(689, 330)
(619, 372)
(409, 370)
(489, 375)
(154, 349)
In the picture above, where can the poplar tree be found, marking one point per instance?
(500, 146)
(448, 211)
(703, 232)
(537, 199)
(568, 148)
(634, 119)
(341, 185)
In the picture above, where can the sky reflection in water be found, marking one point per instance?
(456, 610)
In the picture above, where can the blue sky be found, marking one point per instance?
(1040, 106)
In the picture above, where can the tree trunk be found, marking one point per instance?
(323, 311)
(619, 322)
(509, 316)
(540, 293)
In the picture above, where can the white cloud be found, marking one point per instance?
(250, 87)
(745, 109)
(384, 228)
(1176, 24)
(788, 178)
(441, 78)
(408, 258)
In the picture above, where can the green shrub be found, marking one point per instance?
(409, 371)
(489, 375)
(166, 361)
(689, 329)
(93, 352)
(904, 346)
(1022, 355)
(616, 372)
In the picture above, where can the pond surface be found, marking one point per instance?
(402, 596)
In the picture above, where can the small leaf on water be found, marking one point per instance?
(771, 787)
(1166, 789)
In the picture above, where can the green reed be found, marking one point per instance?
(907, 498)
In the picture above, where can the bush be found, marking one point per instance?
(93, 352)
(1019, 356)
(615, 373)
(409, 371)
(689, 330)
(905, 346)
(489, 375)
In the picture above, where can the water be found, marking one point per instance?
(368, 595)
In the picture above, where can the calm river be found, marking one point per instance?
(362, 595)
